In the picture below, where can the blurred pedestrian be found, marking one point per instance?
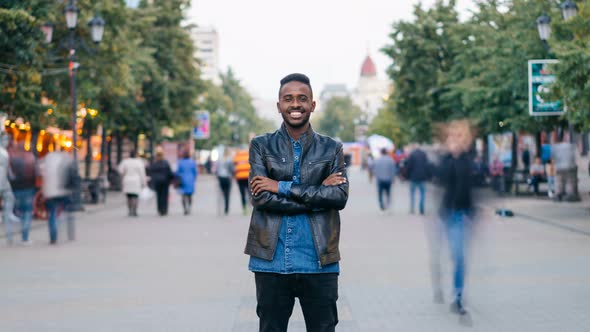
(132, 169)
(370, 162)
(384, 171)
(224, 172)
(160, 178)
(59, 179)
(417, 172)
(497, 174)
(526, 159)
(550, 173)
(6, 193)
(480, 171)
(566, 170)
(298, 185)
(187, 175)
(457, 208)
(24, 167)
(241, 173)
(537, 171)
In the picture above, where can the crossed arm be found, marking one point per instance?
(299, 198)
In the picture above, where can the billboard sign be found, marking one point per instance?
(540, 78)
(201, 125)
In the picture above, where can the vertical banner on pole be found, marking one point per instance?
(201, 125)
(540, 78)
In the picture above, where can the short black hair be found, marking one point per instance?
(296, 77)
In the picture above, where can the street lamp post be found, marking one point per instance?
(96, 32)
(569, 9)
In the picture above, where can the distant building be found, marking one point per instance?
(371, 91)
(330, 91)
(206, 42)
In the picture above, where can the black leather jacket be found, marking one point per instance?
(271, 155)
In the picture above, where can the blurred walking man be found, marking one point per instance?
(298, 183)
(457, 205)
(241, 173)
(24, 167)
(384, 171)
(418, 171)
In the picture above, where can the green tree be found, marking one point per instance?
(337, 119)
(571, 44)
(21, 54)
(386, 124)
(423, 52)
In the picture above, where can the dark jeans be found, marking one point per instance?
(243, 186)
(162, 190)
(384, 187)
(225, 185)
(535, 179)
(55, 205)
(420, 186)
(24, 205)
(317, 295)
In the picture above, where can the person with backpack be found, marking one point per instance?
(59, 173)
(24, 168)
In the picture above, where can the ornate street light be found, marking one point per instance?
(47, 29)
(569, 9)
(96, 25)
(544, 27)
(71, 13)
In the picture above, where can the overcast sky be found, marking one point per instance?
(263, 40)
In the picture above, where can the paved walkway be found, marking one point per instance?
(189, 274)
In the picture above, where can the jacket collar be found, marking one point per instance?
(305, 139)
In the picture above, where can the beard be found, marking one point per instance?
(297, 123)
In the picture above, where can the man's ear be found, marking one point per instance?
(278, 107)
(312, 106)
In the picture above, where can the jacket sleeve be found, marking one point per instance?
(324, 197)
(267, 201)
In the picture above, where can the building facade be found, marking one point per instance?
(206, 42)
(371, 91)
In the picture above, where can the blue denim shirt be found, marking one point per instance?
(295, 252)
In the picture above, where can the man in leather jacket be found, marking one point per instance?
(298, 184)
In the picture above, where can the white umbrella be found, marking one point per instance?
(378, 142)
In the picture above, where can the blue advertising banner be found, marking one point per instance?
(540, 78)
(201, 125)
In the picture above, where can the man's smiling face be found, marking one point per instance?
(296, 104)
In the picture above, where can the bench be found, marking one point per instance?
(521, 177)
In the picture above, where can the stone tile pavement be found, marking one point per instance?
(189, 273)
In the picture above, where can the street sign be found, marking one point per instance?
(201, 125)
(540, 78)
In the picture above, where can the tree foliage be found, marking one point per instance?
(337, 119)
(443, 68)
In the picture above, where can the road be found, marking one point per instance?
(189, 273)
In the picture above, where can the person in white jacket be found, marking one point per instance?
(132, 170)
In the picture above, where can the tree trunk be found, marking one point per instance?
(34, 139)
(538, 143)
(103, 152)
(88, 149)
(119, 148)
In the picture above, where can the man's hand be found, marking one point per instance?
(261, 183)
(334, 179)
